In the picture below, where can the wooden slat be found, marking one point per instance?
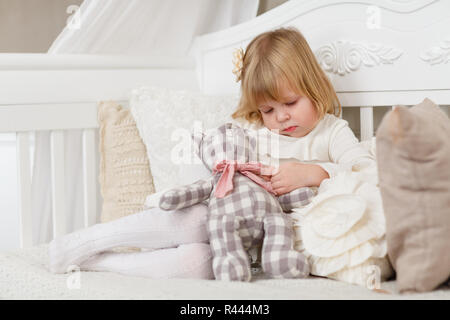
(89, 173)
(366, 123)
(38, 86)
(60, 116)
(58, 186)
(24, 188)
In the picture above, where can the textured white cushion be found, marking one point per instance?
(24, 275)
(166, 118)
(342, 231)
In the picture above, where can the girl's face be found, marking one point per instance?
(294, 116)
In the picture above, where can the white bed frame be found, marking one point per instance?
(376, 53)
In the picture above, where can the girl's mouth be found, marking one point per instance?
(290, 129)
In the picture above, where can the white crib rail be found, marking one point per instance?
(90, 177)
(366, 123)
(55, 118)
(24, 178)
(58, 182)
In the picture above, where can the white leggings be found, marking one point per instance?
(175, 243)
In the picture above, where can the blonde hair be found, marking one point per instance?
(274, 58)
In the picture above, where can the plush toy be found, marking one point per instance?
(243, 209)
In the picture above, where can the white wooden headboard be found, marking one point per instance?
(376, 53)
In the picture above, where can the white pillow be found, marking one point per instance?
(192, 172)
(166, 119)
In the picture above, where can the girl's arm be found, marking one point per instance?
(294, 175)
(345, 152)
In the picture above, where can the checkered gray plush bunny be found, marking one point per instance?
(246, 216)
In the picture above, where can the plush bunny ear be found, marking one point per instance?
(197, 143)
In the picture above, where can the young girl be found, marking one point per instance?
(285, 90)
(286, 93)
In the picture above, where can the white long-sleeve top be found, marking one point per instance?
(331, 144)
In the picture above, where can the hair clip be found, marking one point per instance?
(238, 62)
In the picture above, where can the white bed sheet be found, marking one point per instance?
(24, 275)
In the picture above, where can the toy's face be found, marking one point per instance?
(227, 142)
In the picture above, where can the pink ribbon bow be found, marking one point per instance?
(252, 170)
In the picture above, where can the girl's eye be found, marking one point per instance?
(268, 111)
(291, 103)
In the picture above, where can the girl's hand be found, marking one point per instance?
(294, 175)
(267, 172)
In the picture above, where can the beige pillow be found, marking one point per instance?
(125, 177)
(413, 156)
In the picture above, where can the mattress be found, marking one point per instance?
(24, 275)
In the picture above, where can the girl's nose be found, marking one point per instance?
(282, 116)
